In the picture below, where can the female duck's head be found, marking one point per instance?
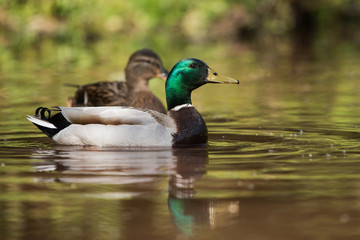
(144, 65)
(186, 76)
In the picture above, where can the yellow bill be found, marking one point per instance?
(214, 77)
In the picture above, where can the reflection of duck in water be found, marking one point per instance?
(192, 215)
(104, 165)
(190, 164)
(189, 213)
(136, 167)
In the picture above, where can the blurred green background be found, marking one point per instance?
(84, 33)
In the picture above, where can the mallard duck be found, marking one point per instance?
(142, 66)
(131, 127)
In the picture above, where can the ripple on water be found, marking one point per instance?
(283, 157)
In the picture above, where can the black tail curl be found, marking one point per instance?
(57, 119)
(41, 111)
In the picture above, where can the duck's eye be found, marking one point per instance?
(215, 73)
(193, 65)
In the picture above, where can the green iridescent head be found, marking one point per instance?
(186, 76)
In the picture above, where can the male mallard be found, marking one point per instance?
(142, 66)
(123, 126)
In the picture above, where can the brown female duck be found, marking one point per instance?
(142, 66)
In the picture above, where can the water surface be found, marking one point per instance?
(282, 161)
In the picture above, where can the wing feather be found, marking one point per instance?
(113, 116)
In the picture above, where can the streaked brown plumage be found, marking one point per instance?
(142, 66)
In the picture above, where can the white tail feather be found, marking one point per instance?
(41, 122)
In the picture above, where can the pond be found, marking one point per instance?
(283, 160)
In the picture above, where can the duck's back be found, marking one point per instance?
(100, 94)
(147, 100)
(114, 94)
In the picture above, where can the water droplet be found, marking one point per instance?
(310, 155)
(3, 164)
(301, 132)
(239, 183)
(233, 207)
(271, 150)
(344, 218)
(251, 186)
(344, 152)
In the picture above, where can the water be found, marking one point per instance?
(282, 162)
